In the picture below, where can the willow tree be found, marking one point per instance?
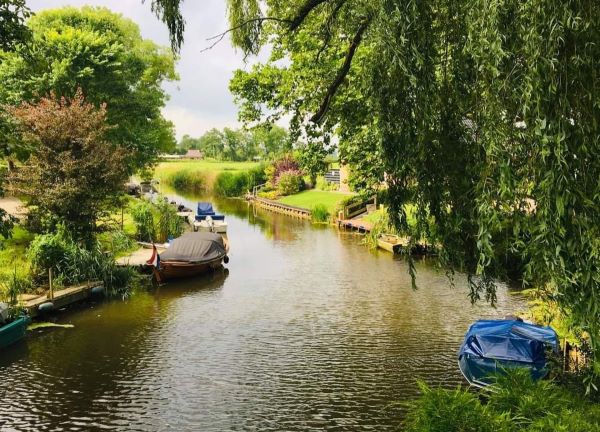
(483, 114)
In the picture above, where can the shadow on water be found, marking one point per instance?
(305, 329)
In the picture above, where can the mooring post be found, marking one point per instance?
(51, 293)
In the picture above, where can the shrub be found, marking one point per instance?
(168, 223)
(320, 213)
(271, 195)
(72, 263)
(116, 241)
(515, 404)
(143, 220)
(324, 185)
(439, 410)
(290, 182)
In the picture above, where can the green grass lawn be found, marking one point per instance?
(309, 198)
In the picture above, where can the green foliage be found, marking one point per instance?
(240, 144)
(439, 410)
(13, 31)
(168, 224)
(104, 54)
(73, 176)
(235, 184)
(186, 181)
(117, 242)
(143, 220)
(324, 185)
(72, 263)
(11, 289)
(320, 213)
(516, 404)
(290, 182)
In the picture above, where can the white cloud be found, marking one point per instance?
(201, 99)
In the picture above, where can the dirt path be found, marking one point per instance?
(13, 206)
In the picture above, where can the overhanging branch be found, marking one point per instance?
(342, 72)
(303, 13)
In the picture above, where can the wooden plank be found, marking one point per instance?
(61, 299)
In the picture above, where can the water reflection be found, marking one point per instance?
(306, 331)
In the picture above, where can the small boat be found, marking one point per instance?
(205, 209)
(192, 254)
(14, 331)
(491, 347)
(391, 243)
(210, 225)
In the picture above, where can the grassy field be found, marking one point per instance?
(210, 169)
(309, 198)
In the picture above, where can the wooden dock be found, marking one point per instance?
(61, 298)
(278, 207)
(362, 226)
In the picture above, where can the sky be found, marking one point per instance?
(200, 100)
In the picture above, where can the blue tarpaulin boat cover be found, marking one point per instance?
(205, 208)
(490, 346)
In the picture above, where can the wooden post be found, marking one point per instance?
(51, 293)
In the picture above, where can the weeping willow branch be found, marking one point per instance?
(219, 37)
(169, 12)
(319, 116)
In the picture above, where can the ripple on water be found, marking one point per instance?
(309, 331)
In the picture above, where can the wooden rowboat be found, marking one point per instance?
(391, 243)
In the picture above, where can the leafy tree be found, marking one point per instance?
(105, 55)
(484, 115)
(74, 172)
(13, 30)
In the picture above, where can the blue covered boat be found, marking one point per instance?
(206, 209)
(492, 346)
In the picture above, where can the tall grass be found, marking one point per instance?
(515, 404)
(319, 213)
(186, 180)
(235, 184)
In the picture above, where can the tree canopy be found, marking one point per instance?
(73, 172)
(483, 114)
(104, 54)
(239, 144)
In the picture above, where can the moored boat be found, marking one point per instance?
(192, 254)
(390, 242)
(491, 347)
(210, 225)
(14, 331)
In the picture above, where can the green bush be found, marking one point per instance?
(439, 410)
(270, 195)
(319, 213)
(72, 263)
(143, 221)
(324, 185)
(187, 181)
(515, 404)
(290, 182)
(168, 223)
(116, 241)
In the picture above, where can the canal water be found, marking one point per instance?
(306, 330)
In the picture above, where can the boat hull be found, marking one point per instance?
(170, 270)
(390, 243)
(14, 331)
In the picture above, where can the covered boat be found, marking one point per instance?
(191, 254)
(492, 346)
(206, 209)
